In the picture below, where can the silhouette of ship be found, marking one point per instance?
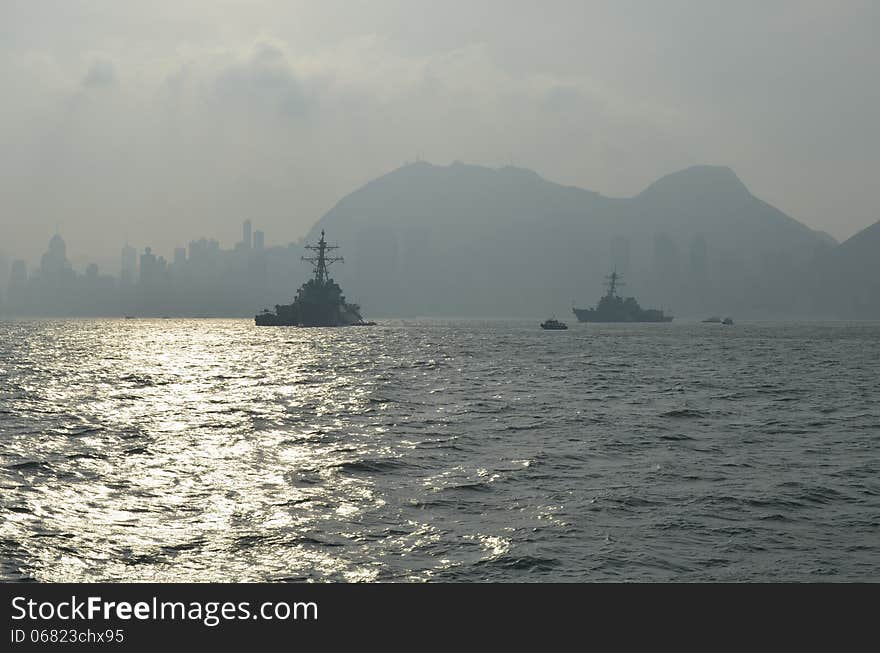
(553, 324)
(319, 301)
(614, 308)
(717, 320)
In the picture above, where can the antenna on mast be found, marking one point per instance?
(613, 283)
(322, 261)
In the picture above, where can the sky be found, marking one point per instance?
(160, 122)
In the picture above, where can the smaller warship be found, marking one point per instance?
(319, 301)
(553, 324)
(614, 308)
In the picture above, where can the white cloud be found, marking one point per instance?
(101, 74)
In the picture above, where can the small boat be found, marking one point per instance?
(553, 324)
(712, 320)
(727, 320)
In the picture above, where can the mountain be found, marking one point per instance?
(464, 240)
(850, 278)
(863, 248)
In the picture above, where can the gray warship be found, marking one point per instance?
(319, 301)
(614, 308)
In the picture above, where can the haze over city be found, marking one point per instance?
(160, 123)
(422, 291)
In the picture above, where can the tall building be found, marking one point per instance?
(152, 267)
(18, 275)
(246, 234)
(259, 240)
(179, 256)
(129, 264)
(203, 249)
(699, 257)
(17, 285)
(54, 265)
(665, 263)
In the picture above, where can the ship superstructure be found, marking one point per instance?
(319, 301)
(614, 308)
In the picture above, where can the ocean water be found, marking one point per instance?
(213, 450)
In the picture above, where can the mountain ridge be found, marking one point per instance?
(464, 239)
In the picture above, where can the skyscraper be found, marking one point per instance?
(246, 234)
(18, 278)
(129, 264)
(54, 265)
(18, 275)
(259, 240)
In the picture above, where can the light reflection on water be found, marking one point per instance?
(212, 450)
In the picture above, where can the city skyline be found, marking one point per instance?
(199, 279)
(695, 241)
(81, 261)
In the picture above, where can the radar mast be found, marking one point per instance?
(322, 262)
(613, 283)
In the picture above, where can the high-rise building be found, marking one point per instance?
(699, 257)
(18, 275)
(17, 284)
(149, 267)
(129, 264)
(666, 264)
(259, 240)
(246, 234)
(54, 265)
(179, 256)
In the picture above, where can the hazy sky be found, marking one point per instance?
(167, 120)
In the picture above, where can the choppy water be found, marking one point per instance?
(214, 450)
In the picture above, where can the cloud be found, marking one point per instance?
(264, 78)
(101, 74)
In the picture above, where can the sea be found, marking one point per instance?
(192, 450)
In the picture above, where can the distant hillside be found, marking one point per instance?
(849, 281)
(465, 240)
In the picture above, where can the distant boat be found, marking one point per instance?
(712, 320)
(613, 308)
(129, 317)
(727, 320)
(553, 324)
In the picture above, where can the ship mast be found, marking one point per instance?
(322, 261)
(613, 283)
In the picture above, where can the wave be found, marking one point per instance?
(376, 466)
(681, 413)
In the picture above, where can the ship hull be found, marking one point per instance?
(272, 319)
(592, 315)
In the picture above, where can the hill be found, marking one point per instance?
(464, 240)
(849, 282)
